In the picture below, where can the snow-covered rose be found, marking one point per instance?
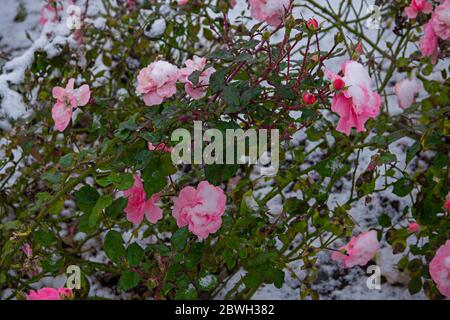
(440, 269)
(197, 91)
(358, 102)
(406, 92)
(157, 82)
(441, 20)
(270, 11)
(429, 42)
(358, 251)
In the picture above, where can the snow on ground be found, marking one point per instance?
(20, 35)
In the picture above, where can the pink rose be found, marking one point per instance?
(53, 10)
(138, 205)
(447, 202)
(309, 98)
(270, 11)
(50, 294)
(440, 269)
(417, 6)
(183, 2)
(68, 99)
(429, 42)
(157, 82)
(160, 147)
(406, 92)
(359, 48)
(197, 91)
(200, 209)
(413, 227)
(359, 250)
(49, 12)
(441, 20)
(26, 249)
(358, 102)
(313, 24)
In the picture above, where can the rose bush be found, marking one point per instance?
(96, 187)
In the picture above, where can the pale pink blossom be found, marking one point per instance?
(429, 42)
(417, 6)
(68, 99)
(138, 205)
(183, 2)
(53, 10)
(440, 269)
(447, 202)
(26, 249)
(50, 12)
(413, 227)
(359, 251)
(157, 82)
(441, 20)
(357, 103)
(270, 11)
(198, 90)
(50, 294)
(159, 147)
(200, 209)
(406, 92)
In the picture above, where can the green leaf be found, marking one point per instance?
(117, 207)
(56, 207)
(43, 238)
(252, 279)
(86, 198)
(384, 220)
(278, 278)
(217, 80)
(387, 157)
(126, 181)
(128, 280)
(103, 202)
(403, 187)
(231, 97)
(194, 77)
(415, 285)
(412, 151)
(221, 55)
(179, 239)
(134, 254)
(156, 172)
(66, 160)
(186, 294)
(113, 246)
(52, 177)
